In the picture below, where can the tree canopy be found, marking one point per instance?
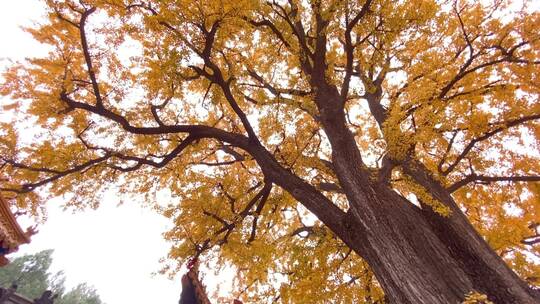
(30, 273)
(267, 122)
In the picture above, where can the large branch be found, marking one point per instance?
(28, 187)
(272, 27)
(278, 100)
(56, 174)
(126, 125)
(447, 150)
(140, 161)
(508, 55)
(228, 226)
(486, 136)
(276, 90)
(349, 47)
(88, 58)
(297, 28)
(218, 78)
(489, 179)
(306, 194)
(30, 168)
(265, 193)
(148, 7)
(320, 66)
(85, 48)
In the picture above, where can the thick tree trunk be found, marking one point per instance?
(417, 255)
(413, 262)
(489, 273)
(410, 262)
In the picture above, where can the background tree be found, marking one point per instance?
(295, 137)
(80, 294)
(31, 275)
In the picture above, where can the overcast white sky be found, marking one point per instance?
(115, 249)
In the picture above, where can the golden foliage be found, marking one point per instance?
(447, 75)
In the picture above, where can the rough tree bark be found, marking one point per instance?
(417, 255)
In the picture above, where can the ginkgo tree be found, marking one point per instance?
(330, 151)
